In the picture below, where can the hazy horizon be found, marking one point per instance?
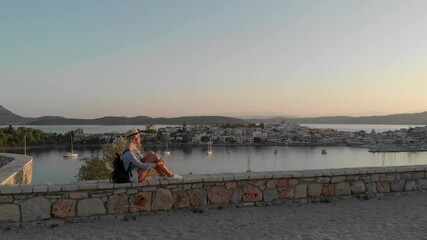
(305, 58)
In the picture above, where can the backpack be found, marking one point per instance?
(119, 174)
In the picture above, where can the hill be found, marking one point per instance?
(394, 119)
(7, 117)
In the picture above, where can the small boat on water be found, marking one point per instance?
(71, 154)
(275, 151)
(209, 152)
(324, 151)
(228, 148)
(167, 152)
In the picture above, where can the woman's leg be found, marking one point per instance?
(142, 174)
(162, 169)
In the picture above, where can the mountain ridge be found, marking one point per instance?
(7, 117)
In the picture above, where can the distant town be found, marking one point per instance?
(412, 139)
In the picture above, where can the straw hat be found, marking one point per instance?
(132, 132)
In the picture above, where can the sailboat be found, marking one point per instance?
(228, 147)
(167, 152)
(209, 152)
(71, 154)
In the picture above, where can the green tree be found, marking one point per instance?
(100, 166)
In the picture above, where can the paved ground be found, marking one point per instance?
(389, 217)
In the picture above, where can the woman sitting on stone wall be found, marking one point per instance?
(142, 164)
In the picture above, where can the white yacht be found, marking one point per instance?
(209, 152)
(71, 154)
(167, 152)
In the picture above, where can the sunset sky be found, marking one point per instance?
(95, 58)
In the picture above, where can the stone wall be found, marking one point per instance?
(17, 169)
(26, 203)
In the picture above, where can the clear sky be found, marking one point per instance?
(95, 58)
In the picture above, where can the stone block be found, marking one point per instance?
(241, 176)
(152, 181)
(337, 179)
(292, 182)
(251, 194)
(258, 183)
(272, 183)
(314, 189)
(342, 188)
(90, 207)
(87, 186)
(213, 178)
(198, 197)
(26, 188)
(307, 180)
(389, 177)
(105, 185)
(10, 189)
(365, 178)
(371, 187)
(300, 190)
(422, 183)
(352, 178)
(375, 177)
(418, 175)
(383, 187)
(287, 193)
(397, 186)
(141, 202)
(283, 183)
(64, 208)
(357, 187)
(181, 200)
(197, 185)
(328, 190)
(230, 185)
(219, 195)
(236, 197)
(78, 195)
(9, 213)
(37, 208)
(70, 187)
(54, 187)
(324, 180)
(118, 204)
(228, 177)
(163, 199)
(120, 191)
(40, 188)
(256, 175)
(406, 176)
(6, 199)
(192, 179)
(297, 175)
(309, 174)
(411, 186)
(270, 195)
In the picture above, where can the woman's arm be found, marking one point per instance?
(130, 157)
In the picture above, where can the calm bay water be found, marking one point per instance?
(50, 167)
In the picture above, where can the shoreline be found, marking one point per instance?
(181, 145)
